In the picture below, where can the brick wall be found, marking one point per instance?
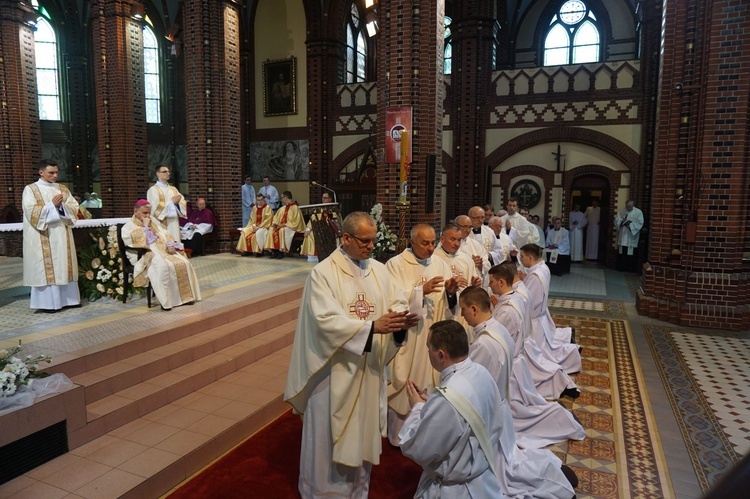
(697, 274)
(410, 73)
(213, 99)
(120, 105)
(20, 143)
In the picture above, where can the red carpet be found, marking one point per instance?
(267, 465)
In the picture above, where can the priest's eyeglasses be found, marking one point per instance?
(364, 242)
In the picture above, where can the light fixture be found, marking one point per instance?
(136, 11)
(372, 24)
(369, 3)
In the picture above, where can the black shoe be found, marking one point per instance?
(257, 255)
(165, 309)
(280, 255)
(570, 475)
(246, 254)
(573, 393)
(48, 310)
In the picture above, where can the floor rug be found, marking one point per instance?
(709, 394)
(267, 465)
(621, 456)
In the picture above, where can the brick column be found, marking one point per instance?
(20, 142)
(474, 35)
(322, 71)
(699, 250)
(212, 98)
(120, 105)
(410, 73)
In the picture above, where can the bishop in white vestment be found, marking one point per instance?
(50, 263)
(170, 273)
(344, 339)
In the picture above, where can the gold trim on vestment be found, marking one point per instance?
(49, 268)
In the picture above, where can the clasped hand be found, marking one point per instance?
(394, 321)
(414, 393)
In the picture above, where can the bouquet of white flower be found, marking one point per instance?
(386, 240)
(16, 372)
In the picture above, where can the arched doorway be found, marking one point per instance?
(583, 191)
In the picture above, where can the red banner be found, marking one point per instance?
(397, 119)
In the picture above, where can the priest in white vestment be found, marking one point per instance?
(593, 214)
(167, 204)
(461, 265)
(50, 262)
(472, 247)
(170, 273)
(526, 232)
(430, 289)
(555, 343)
(628, 224)
(503, 248)
(577, 222)
(479, 231)
(530, 473)
(454, 433)
(351, 322)
(538, 423)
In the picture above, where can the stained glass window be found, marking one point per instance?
(151, 76)
(356, 47)
(47, 76)
(572, 36)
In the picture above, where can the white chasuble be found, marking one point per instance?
(172, 276)
(339, 304)
(411, 361)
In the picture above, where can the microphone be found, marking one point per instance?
(326, 188)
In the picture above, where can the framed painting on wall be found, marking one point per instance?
(280, 87)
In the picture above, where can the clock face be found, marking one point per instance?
(527, 192)
(572, 11)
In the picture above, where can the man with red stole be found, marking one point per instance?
(253, 236)
(287, 222)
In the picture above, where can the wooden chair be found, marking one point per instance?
(127, 267)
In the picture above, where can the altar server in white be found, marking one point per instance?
(454, 434)
(167, 204)
(549, 378)
(554, 342)
(577, 222)
(538, 423)
(50, 264)
(529, 473)
(351, 322)
(430, 289)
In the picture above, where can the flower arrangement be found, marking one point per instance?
(386, 240)
(100, 267)
(16, 372)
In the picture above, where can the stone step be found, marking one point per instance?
(147, 366)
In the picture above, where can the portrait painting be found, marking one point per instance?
(280, 87)
(280, 160)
